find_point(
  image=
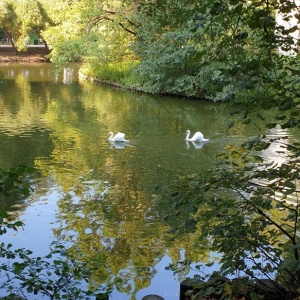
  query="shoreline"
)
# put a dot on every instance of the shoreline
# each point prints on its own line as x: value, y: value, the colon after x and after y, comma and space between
x: 34, y: 53
x: 38, y: 54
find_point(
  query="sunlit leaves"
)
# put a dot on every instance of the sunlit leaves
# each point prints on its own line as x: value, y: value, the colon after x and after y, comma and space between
x: 253, y: 210
x: 243, y: 49
x: 224, y: 50
x: 22, y: 18
x: 52, y: 276
x: 7, y: 19
x: 93, y: 31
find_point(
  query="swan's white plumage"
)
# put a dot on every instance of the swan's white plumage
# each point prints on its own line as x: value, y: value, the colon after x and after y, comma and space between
x: 119, y: 137
x: 197, y: 137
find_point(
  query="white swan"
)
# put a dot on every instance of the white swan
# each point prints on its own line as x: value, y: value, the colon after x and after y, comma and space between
x: 197, y: 137
x: 119, y: 137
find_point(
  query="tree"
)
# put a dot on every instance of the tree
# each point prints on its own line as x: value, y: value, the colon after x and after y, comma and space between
x: 249, y: 200
x: 225, y: 51
x: 248, y: 209
x: 7, y: 20
x: 19, y: 19
x: 91, y: 31
x: 218, y: 50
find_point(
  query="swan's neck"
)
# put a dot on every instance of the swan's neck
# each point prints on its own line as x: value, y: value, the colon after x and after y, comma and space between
x: 111, y: 135
x: 187, y: 135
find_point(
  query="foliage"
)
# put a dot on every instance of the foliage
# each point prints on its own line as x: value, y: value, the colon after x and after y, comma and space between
x: 20, y: 19
x: 221, y: 50
x: 112, y: 72
x: 222, y: 288
x: 8, y: 16
x: 231, y: 50
x: 92, y: 31
x: 15, y: 181
x: 247, y: 207
x: 248, y: 210
x: 90, y: 200
x: 54, y: 275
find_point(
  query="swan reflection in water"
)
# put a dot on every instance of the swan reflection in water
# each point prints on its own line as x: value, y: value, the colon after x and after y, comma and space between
x: 197, y: 145
x: 118, y: 144
x: 117, y: 141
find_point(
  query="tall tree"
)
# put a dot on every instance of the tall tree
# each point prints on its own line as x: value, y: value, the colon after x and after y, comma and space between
x: 90, y: 31
x: 31, y: 18
x: 220, y: 50
x: 7, y: 20
x: 22, y: 18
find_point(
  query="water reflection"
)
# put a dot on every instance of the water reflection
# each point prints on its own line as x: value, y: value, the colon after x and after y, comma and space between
x: 68, y: 75
x: 109, y: 202
x: 118, y: 145
x: 196, y: 145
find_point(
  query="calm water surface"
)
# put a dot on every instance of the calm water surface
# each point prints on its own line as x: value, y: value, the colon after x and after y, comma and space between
x: 104, y: 197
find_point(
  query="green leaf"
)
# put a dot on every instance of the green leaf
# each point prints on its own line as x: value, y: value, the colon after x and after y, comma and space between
x: 253, y: 296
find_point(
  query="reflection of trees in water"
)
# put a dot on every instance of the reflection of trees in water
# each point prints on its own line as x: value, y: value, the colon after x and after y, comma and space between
x: 115, y: 202
x: 124, y: 226
x: 20, y: 111
x: 104, y: 226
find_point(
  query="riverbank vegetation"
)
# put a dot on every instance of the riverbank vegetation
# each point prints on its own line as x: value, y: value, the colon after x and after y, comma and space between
x: 210, y: 49
x: 242, y: 52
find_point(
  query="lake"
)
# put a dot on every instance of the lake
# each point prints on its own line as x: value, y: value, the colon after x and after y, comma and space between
x: 108, y: 197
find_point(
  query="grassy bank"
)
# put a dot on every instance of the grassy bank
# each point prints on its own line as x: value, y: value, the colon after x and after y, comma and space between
x: 119, y: 74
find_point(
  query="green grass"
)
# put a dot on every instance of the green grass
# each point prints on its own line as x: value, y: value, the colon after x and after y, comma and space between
x: 118, y: 72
